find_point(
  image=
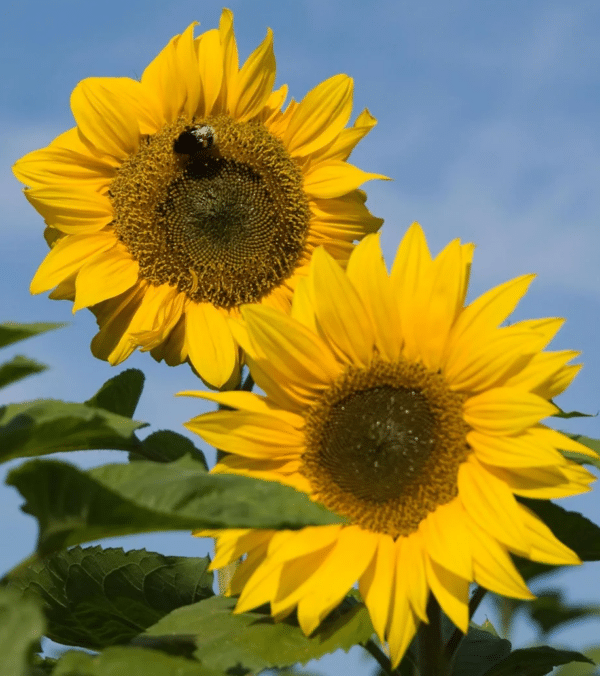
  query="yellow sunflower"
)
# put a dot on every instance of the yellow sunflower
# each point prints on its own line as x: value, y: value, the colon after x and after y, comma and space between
x: 181, y: 196
x: 416, y: 418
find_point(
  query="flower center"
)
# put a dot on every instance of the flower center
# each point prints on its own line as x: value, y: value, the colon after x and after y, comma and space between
x: 384, y: 445
x: 215, y: 208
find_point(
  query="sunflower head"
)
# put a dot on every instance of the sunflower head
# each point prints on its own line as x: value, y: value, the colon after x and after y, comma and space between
x: 412, y: 414
x: 182, y: 196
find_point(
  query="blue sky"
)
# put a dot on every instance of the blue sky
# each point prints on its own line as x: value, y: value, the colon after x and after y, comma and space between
x: 488, y: 124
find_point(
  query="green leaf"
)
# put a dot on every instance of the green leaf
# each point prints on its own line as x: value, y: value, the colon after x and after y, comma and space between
x: 550, y: 612
x: 571, y: 414
x: 11, y: 332
x: 21, y: 627
x: 17, y: 368
x: 73, y: 506
x: 166, y: 446
x: 536, y: 661
x: 130, y: 661
x: 580, y: 458
x: 574, y: 669
x: 252, y: 640
x: 46, y: 426
x: 478, y: 650
x: 97, y: 597
x: 571, y: 528
x: 120, y: 394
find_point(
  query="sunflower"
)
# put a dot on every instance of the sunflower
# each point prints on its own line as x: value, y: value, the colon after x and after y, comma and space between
x: 182, y: 196
x: 412, y: 415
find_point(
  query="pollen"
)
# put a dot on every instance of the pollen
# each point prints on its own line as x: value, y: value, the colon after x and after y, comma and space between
x: 221, y: 216
x: 383, y: 445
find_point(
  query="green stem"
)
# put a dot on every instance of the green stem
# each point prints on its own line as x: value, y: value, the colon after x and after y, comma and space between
x: 382, y: 659
x: 432, y: 661
x: 457, y: 635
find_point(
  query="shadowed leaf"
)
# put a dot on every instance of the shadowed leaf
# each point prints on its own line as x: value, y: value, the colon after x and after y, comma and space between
x: 120, y: 394
x: 11, y: 332
x: 536, y: 661
x: 17, y: 368
x: 97, y: 597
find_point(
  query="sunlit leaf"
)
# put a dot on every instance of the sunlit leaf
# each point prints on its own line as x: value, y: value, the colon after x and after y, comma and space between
x: 166, y: 446
x: 47, y: 426
x: 74, y: 506
x: 21, y: 628
x: 129, y: 661
x: 253, y: 641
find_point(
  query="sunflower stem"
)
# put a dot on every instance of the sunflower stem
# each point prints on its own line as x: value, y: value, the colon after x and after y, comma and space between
x: 382, y: 659
x: 432, y: 660
x: 457, y: 634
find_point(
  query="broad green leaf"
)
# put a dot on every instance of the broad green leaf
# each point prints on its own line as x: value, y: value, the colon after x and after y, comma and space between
x: 47, y: 426
x: 252, y: 640
x: 479, y: 650
x: 537, y: 661
x: 129, y: 661
x: 575, y: 669
x: 97, y: 597
x: 21, y: 627
x: 549, y: 610
x: 11, y: 332
x: 120, y: 394
x: 17, y: 368
x: 166, y: 446
x: 571, y: 528
x: 74, y: 506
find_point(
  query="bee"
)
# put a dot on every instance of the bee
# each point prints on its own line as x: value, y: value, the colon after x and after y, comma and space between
x: 194, y: 140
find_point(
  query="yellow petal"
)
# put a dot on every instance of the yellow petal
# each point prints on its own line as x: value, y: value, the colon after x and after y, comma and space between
x: 377, y: 583
x: 447, y: 539
x: 545, y: 547
x: 230, y: 59
x: 440, y: 298
x: 340, y: 312
x: 487, y: 312
x: 67, y: 257
x: 366, y: 270
x: 512, y: 451
x: 411, y: 267
x: 254, y: 82
x: 486, y: 363
x: 210, y: 345
x: 335, y: 178
x: 292, y: 350
x: 344, y: 565
x: 320, y: 116
x: 210, y: 58
x: 105, y: 275
x: 104, y: 120
x: 562, y: 441
x: 254, y: 435
x: 451, y: 591
x: 71, y: 211
x: 341, y: 147
x: 51, y: 165
x: 491, y: 504
x: 505, y: 410
x: 169, y: 309
x: 493, y: 567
